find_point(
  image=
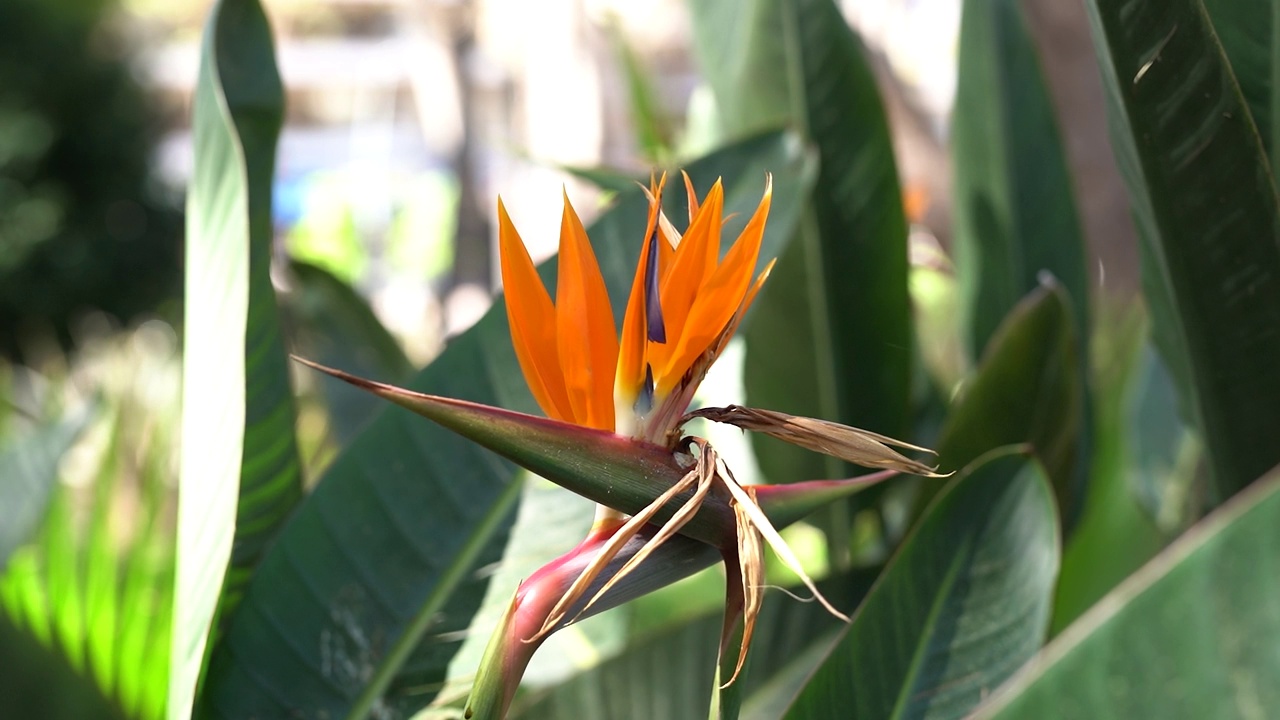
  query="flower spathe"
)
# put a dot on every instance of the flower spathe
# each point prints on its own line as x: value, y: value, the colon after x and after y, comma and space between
x: 684, y: 304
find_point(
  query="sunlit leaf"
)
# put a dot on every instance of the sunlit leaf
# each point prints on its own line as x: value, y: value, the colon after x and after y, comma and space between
x: 240, y: 473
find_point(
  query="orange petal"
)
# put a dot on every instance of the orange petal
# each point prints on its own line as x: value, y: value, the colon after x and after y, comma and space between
x: 585, y: 334
x: 695, y: 260
x: 532, y: 319
x: 718, y: 300
x: 727, y: 334
x: 632, y: 358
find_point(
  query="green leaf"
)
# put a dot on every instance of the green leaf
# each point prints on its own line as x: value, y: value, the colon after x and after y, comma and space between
x: 743, y: 52
x: 1026, y: 390
x: 793, y: 638
x: 63, y: 581
x: 649, y: 121
x: 681, y: 662
x: 1247, y: 30
x: 1166, y: 475
x: 332, y: 324
x: 102, y: 609
x: 961, y: 606
x: 360, y: 603
x: 64, y: 590
x: 934, y: 296
x: 1015, y: 214
x: 1206, y: 210
x: 606, y: 178
x: 1191, y: 635
x: 28, y: 476
x: 667, y: 676
x: 240, y: 474
x: 1115, y: 536
x: 831, y: 334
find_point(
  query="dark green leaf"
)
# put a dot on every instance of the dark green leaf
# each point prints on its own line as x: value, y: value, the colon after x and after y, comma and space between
x: 240, y: 473
x: 605, y: 178
x: 831, y: 335
x: 34, y: 670
x: 375, y: 577
x: 792, y: 639
x: 668, y: 676
x: 1015, y: 216
x: 961, y: 606
x: 1247, y: 31
x: 1206, y: 209
x: 743, y: 51
x: 1026, y: 390
x: 1191, y: 635
x: 333, y: 325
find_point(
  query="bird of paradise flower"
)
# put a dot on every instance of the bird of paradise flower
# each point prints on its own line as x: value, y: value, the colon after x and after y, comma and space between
x: 622, y: 402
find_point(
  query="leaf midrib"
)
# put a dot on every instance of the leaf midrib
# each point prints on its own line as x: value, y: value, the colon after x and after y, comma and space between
x: 451, y: 577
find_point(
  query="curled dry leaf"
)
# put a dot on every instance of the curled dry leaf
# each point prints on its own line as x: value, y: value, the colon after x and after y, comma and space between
x: 629, y: 529
x: 860, y: 447
x: 751, y: 568
x: 753, y: 530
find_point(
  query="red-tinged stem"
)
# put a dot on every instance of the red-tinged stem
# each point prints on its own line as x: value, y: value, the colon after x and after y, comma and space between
x: 512, y: 645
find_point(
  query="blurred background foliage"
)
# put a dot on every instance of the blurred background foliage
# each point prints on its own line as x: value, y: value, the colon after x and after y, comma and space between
x: 964, y: 273
x: 84, y: 224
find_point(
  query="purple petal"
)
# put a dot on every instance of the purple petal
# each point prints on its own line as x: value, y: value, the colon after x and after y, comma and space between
x: 652, y: 304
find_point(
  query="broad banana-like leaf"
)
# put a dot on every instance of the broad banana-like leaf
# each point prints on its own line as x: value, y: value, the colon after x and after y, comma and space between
x: 1209, y: 223
x: 240, y: 473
